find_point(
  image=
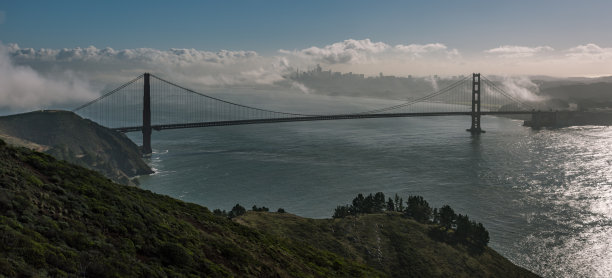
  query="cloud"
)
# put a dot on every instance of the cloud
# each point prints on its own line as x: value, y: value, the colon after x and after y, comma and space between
x: 590, y: 51
x: 522, y: 88
x: 21, y: 87
x: 365, y: 51
x: 195, y: 67
x: 514, y: 51
x: 345, y: 52
x: 176, y: 56
x: 419, y: 50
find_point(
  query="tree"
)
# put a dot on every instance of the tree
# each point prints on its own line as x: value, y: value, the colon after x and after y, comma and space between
x: 237, y: 210
x: 368, y: 204
x: 390, y: 205
x: 358, y: 203
x: 255, y: 208
x: 280, y: 210
x: 481, y: 235
x: 464, y: 228
x: 342, y: 211
x: 418, y: 209
x: 436, y: 216
x: 397, y: 200
x: 218, y: 212
x: 379, y: 202
x: 446, y: 216
x: 471, y: 233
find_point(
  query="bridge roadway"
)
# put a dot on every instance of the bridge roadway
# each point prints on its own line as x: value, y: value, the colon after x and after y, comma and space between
x: 316, y: 118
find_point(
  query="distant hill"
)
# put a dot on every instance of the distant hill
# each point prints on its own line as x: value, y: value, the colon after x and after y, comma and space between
x: 593, y: 91
x: 59, y: 220
x: 588, y: 96
x: 67, y: 136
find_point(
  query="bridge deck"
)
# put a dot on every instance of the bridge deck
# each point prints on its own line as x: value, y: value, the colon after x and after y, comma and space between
x: 315, y: 118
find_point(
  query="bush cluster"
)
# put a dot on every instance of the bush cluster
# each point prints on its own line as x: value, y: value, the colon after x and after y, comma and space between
x: 446, y: 225
x: 238, y: 210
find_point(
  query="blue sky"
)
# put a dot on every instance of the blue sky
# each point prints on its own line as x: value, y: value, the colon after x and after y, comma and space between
x: 267, y: 26
x: 53, y: 51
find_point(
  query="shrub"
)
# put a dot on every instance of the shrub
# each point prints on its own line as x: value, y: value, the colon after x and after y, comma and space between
x: 255, y: 208
x: 174, y: 254
x: 342, y: 211
x: 237, y: 210
x: 219, y: 212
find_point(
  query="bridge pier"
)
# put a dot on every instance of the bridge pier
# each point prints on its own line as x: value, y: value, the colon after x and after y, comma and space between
x: 475, y: 127
x: 146, y: 117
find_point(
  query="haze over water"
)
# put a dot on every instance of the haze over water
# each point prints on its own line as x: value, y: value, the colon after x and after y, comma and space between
x: 545, y: 196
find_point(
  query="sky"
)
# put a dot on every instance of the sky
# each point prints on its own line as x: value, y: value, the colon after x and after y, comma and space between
x: 77, y: 46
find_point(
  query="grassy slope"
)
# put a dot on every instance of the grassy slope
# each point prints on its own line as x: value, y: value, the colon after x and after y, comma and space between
x: 397, y: 246
x: 58, y: 219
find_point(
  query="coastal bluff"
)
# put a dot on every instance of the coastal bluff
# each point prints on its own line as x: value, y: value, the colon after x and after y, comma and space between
x: 67, y: 136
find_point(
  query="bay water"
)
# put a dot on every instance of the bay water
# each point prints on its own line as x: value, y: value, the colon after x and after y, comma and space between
x: 545, y: 196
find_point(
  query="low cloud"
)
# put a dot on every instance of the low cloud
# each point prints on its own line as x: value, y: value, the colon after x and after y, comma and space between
x: 366, y: 52
x: 22, y: 88
x: 421, y: 50
x: 176, y: 56
x: 345, y: 52
x: 514, y: 51
x: 590, y: 51
x: 191, y: 66
x: 522, y: 88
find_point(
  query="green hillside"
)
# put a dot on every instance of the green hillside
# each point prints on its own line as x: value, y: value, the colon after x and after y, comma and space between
x: 59, y: 220
x: 62, y: 220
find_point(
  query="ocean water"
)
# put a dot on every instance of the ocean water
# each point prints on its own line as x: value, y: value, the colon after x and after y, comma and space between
x: 545, y: 196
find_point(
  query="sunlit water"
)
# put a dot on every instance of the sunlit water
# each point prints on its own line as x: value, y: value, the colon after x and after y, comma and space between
x: 545, y: 196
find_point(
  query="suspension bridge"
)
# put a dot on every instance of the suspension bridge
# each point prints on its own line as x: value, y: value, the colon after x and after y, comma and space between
x: 149, y: 103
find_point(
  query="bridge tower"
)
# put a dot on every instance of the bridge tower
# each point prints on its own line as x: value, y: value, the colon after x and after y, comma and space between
x: 146, y: 117
x: 475, y: 128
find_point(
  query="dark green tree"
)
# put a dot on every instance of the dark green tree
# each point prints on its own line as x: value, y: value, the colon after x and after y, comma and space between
x: 464, y: 228
x: 237, y: 210
x: 390, y: 205
x: 255, y: 208
x: 418, y: 209
x: 368, y: 204
x: 481, y: 235
x: 358, y: 203
x: 379, y: 202
x: 219, y: 212
x: 342, y: 211
x: 436, y: 216
x: 397, y: 200
x: 446, y: 216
